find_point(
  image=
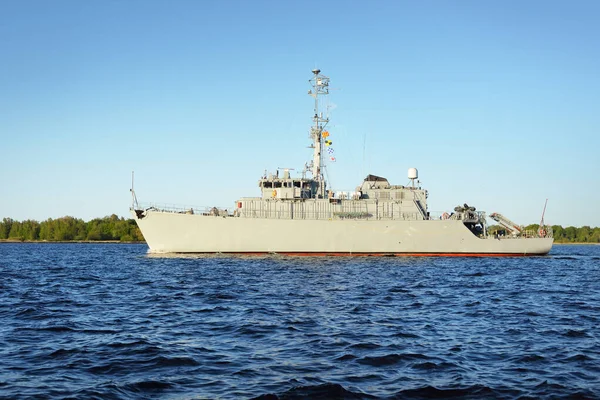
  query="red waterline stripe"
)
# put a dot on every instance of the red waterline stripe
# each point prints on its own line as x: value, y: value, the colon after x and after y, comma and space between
x: 323, y: 254
x: 408, y: 254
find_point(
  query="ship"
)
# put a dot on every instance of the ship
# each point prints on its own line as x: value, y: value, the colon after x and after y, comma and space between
x: 302, y: 216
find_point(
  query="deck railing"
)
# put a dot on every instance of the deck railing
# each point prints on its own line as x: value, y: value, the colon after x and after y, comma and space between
x: 185, y: 209
x: 248, y: 211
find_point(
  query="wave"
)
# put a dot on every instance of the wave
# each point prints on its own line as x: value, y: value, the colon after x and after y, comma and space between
x: 579, y: 357
x: 148, y: 386
x: 336, y: 391
x: 316, y: 392
x: 574, y: 333
x: 469, y: 392
x: 60, y: 353
x: 475, y: 274
x: 390, y: 359
x: 162, y: 361
x: 366, y: 346
x: 405, y: 335
x: 64, y: 328
x: 346, y: 357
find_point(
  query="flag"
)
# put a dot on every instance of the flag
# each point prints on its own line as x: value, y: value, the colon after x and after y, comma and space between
x: 325, y: 134
x: 332, y: 159
x: 330, y: 150
x: 328, y: 142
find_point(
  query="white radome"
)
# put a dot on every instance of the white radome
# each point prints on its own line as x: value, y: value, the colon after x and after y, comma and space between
x: 413, y: 173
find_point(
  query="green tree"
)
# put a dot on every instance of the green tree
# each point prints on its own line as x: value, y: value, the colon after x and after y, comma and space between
x: 583, y: 234
x: 559, y: 232
x: 595, y: 236
x: 16, y: 231
x: 570, y: 234
x: 47, y: 229
x: 30, y: 230
x: 5, y: 227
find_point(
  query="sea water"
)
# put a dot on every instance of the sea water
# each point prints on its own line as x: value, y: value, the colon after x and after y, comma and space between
x: 109, y: 321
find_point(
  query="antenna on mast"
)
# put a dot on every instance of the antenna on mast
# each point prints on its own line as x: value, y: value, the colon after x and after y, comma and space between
x: 320, y: 87
x: 364, y: 158
x: 543, y: 212
x: 134, y: 202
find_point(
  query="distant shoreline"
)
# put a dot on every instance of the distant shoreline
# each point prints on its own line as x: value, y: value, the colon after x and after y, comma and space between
x: 71, y: 241
x: 583, y: 243
x: 143, y: 242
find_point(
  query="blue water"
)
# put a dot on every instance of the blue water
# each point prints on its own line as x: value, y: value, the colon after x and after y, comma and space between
x: 107, y: 321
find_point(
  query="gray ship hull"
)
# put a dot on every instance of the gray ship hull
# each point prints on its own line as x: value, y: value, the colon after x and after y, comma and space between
x: 168, y: 232
x: 301, y: 216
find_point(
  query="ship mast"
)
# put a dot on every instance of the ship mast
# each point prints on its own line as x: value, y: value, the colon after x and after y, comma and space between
x: 320, y: 87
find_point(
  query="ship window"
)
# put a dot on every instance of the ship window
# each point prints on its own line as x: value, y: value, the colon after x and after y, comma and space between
x: 268, y: 184
x: 277, y: 184
x: 296, y: 184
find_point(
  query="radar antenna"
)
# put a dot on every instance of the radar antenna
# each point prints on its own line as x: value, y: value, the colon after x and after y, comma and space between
x: 320, y: 87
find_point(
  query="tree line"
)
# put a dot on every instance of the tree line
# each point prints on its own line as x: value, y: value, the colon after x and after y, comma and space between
x: 570, y: 234
x: 70, y: 228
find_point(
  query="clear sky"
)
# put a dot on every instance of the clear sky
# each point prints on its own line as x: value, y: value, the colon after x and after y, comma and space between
x: 496, y: 103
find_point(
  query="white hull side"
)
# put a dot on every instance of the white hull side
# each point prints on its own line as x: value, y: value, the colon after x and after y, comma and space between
x: 167, y: 232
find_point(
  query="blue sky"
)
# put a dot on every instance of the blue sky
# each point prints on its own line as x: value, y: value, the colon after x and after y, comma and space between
x: 496, y: 103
